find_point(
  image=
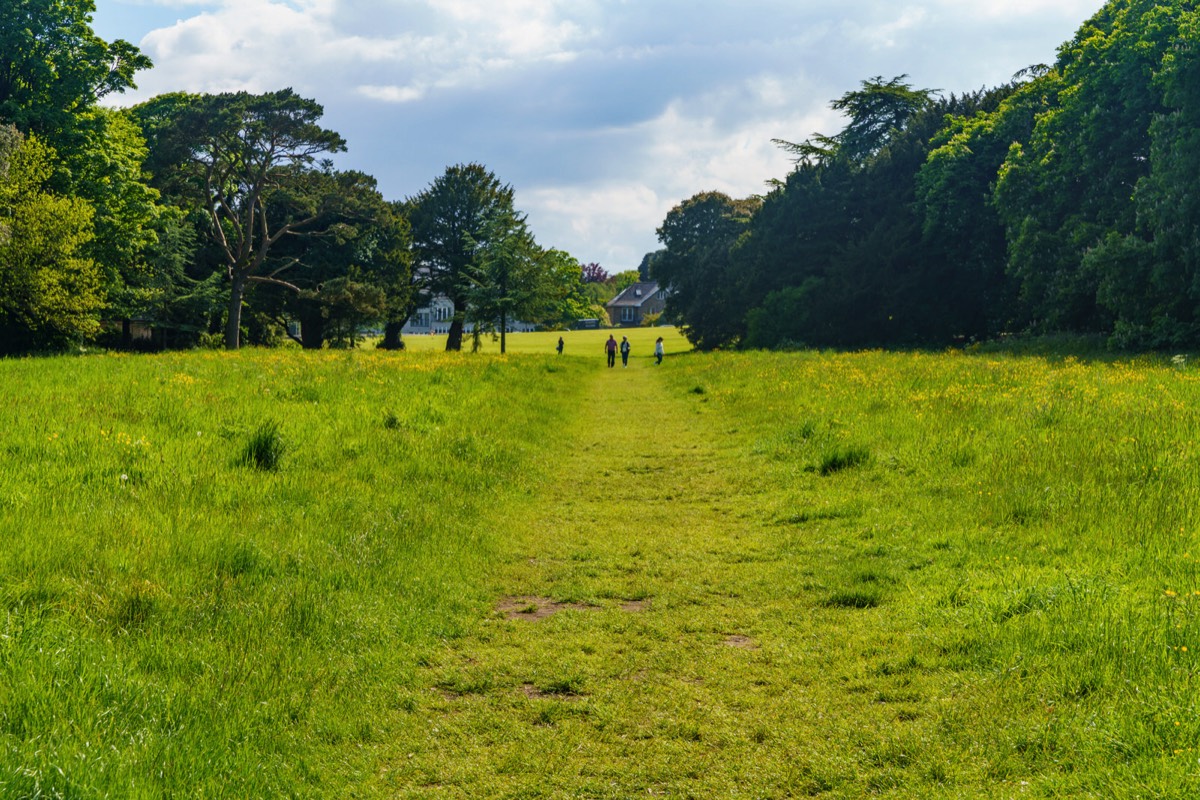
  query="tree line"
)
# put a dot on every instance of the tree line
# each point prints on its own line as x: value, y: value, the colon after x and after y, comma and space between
x: 219, y: 218
x: 1061, y: 202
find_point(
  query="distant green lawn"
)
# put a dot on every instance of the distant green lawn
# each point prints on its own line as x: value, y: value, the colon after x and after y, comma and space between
x: 369, y: 574
x: 575, y: 343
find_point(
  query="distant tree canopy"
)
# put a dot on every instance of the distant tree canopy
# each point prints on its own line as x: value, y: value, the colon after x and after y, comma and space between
x: 218, y: 218
x: 698, y: 265
x: 471, y: 245
x: 594, y: 273
x: 623, y: 280
x: 1062, y: 201
x: 250, y: 161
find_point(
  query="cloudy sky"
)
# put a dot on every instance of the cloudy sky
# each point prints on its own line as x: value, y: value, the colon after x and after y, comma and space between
x: 602, y: 114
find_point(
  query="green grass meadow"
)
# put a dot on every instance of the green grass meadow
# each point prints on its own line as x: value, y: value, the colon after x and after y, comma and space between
x: 418, y: 574
x: 588, y: 343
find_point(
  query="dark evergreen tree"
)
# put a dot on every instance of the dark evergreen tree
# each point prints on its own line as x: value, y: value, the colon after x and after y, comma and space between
x: 464, y: 215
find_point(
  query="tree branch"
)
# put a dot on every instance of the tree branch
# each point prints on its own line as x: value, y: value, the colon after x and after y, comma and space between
x: 274, y: 282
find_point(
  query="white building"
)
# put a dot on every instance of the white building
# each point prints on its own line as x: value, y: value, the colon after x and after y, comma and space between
x: 436, y: 318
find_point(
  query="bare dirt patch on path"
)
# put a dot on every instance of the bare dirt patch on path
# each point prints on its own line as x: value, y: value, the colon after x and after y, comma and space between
x: 535, y: 608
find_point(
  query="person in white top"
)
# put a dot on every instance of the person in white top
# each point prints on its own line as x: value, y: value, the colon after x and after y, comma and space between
x: 658, y: 350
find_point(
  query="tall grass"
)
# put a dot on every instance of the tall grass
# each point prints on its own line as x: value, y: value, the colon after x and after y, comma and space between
x: 192, y: 610
x: 1034, y: 526
x: 902, y: 575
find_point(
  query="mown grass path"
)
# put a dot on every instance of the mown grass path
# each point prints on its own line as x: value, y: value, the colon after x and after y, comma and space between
x: 655, y: 632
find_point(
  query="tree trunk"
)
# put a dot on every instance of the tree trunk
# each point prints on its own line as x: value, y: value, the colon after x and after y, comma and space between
x: 454, y: 338
x: 312, y: 330
x: 391, y: 336
x: 503, y: 330
x: 233, y: 324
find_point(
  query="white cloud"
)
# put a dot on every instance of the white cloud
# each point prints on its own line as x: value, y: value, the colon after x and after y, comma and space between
x: 1077, y: 10
x: 251, y: 48
x: 891, y: 32
x: 392, y: 94
x: 171, y: 3
x: 259, y: 44
x: 518, y: 28
x: 605, y: 222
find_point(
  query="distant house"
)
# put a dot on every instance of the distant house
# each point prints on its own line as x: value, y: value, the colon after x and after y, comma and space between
x: 437, y: 316
x: 630, y: 307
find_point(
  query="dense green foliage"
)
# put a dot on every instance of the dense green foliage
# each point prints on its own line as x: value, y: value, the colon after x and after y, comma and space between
x: 198, y: 218
x: 1061, y: 202
x: 51, y: 289
x: 53, y: 72
x: 53, y: 67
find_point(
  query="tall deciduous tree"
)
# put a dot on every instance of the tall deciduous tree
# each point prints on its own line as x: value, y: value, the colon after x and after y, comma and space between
x: 1065, y: 189
x: 526, y: 283
x: 361, y: 255
x: 105, y: 165
x: 53, y: 72
x: 566, y: 299
x: 53, y: 67
x: 391, y: 266
x: 51, y: 291
x: 244, y: 156
x: 697, y: 267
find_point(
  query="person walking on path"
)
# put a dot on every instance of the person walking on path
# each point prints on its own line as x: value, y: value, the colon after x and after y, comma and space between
x: 560, y: 346
x: 624, y: 352
x: 658, y: 351
x: 610, y: 347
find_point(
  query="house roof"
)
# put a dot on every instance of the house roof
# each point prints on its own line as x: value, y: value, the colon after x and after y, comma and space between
x: 634, y: 295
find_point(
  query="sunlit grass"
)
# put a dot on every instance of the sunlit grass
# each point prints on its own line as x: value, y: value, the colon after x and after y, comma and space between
x: 589, y: 343
x: 1029, y: 528
x: 219, y: 571
x: 774, y: 575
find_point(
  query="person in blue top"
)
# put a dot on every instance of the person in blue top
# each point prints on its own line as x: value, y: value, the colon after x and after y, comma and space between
x: 624, y: 352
